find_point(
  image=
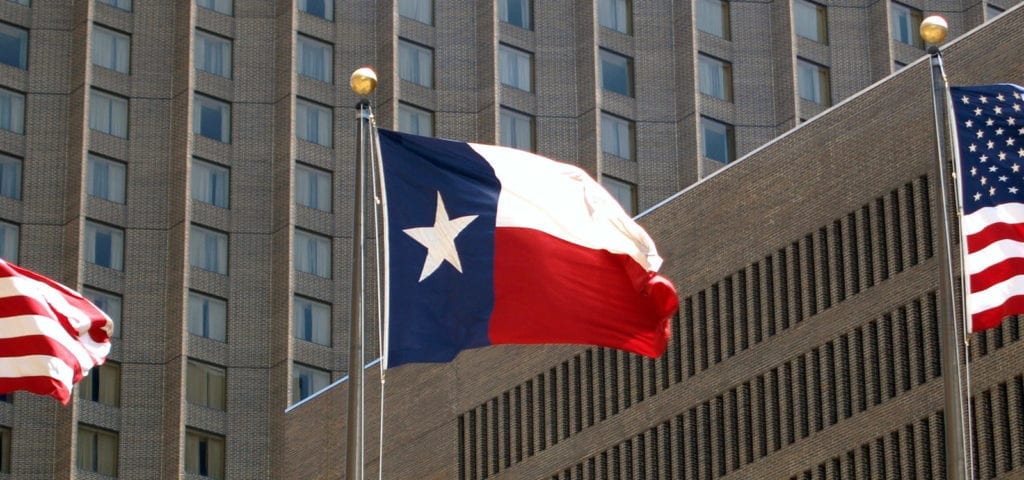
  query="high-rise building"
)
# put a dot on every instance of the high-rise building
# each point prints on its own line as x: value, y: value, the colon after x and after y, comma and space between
x: 188, y: 165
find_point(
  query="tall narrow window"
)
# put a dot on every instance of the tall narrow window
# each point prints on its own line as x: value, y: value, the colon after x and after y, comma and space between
x: 108, y: 113
x: 906, y: 22
x: 105, y: 178
x: 516, y: 130
x: 313, y: 122
x: 110, y: 49
x: 97, y: 451
x: 13, y: 46
x: 204, y: 454
x: 714, y: 77
x: 110, y: 303
x: 810, y: 20
x: 211, y: 118
x: 307, y: 380
x: 104, y: 245
x: 313, y: 59
x: 616, y: 15
x: 516, y: 12
x: 617, y: 137
x: 311, y: 321
x: 125, y: 5
x: 205, y: 385
x: 5, y: 450
x: 10, y: 177
x: 718, y: 140
x: 318, y: 8
x: 12, y: 111
x: 210, y: 183
x: 207, y: 316
x: 713, y: 17
x: 515, y: 67
x: 102, y: 385
x: 616, y: 73
x: 208, y: 249
x: 9, y: 239
x: 312, y: 187
x: 213, y: 54
x: 624, y: 192
x: 312, y: 254
x: 420, y: 10
x: 219, y: 6
x: 813, y: 82
x: 415, y: 63
x: 415, y: 120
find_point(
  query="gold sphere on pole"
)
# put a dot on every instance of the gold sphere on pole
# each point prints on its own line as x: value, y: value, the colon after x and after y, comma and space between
x: 363, y: 81
x: 934, y: 29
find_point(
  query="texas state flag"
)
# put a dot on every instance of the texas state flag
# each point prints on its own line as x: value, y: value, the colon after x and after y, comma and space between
x: 490, y: 245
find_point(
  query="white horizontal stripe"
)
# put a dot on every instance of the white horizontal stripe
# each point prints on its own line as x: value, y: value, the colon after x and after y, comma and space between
x: 565, y: 202
x: 79, y: 320
x: 992, y: 254
x: 995, y: 295
x: 1006, y: 213
x: 25, y: 325
x: 37, y: 366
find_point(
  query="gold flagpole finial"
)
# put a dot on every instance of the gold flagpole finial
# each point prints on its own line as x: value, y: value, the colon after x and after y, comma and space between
x: 363, y: 81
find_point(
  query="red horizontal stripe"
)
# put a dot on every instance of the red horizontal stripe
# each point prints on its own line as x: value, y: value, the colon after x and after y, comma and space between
x: 992, y: 317
x: 41, y: 345
x: 38, y: 385
x: 993, y: 233
x: 997, y: 273
x: 98, y: 320
x: 21, y: 305
x: 548, y: 290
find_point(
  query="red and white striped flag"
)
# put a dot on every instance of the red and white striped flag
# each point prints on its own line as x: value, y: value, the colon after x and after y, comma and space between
x: 50, y: 336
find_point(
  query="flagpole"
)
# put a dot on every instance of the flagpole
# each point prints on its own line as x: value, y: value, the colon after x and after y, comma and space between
x: 933, y: 31
x: 363, y: 82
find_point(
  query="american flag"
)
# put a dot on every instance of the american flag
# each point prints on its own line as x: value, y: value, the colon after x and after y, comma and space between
x: 990, y: 133
x: 50, y: 336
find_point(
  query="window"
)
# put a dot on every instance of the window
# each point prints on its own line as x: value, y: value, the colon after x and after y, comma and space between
x: 10, y: 177
x: 213, y: 54
x: 415, y: 64
x: 420, y: 10
x: 622, y: 191
x: 516, y: 12
x: 9, y: 238
x: 205, y: 385
x: 110, y: 304
x: 617, y: 136
x: 313, y: 122
x: 992, y: 11
x: 211, y: 118
x: 104, y: 245
x: 103, y: 385
x: 415, y: 120
x: 110, y: 49
x: 125, y: 5
x: 209, y: 183
x: 313, y: 59
x: 713, y: 17
x: 516, y: 130
x: 105, y: 178
x: 204, y: 454
x: 714, y: 77
x: 312, y: 187
x: 616, y: 14
x: 906, y: 22
x: 5, y: 449
x: 810, y: 20
x: 516, y: 67
x: 12, y: 111
x: 616, y: 73
x: 21, y: 2
x: 307, y: 381
x: 208, y: 249
x: 813, y: 82
x: 108, y: 113
x: 311, y: 321
x: 318, y: 8
x: 718, y: 140
x: 13, y: 46
x: 219, y: 6
x: 97, y: 451
x: 312, y: 254
x: 207, y: 316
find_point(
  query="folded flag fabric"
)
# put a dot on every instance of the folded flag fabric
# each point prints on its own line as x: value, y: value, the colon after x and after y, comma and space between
x: 492, y: 245
x: 990, y: 137
x: 50, y: 336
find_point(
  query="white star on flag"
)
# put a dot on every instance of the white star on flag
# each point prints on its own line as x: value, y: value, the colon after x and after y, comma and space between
x: 440, y: 239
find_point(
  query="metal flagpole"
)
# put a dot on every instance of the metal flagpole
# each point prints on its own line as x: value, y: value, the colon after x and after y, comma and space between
x: 933, y: 31
x: 363, y: 83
